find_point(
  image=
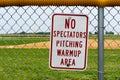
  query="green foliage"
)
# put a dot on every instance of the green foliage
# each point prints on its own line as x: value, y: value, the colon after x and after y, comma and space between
x: 42, y: 33
x: 110, y: 33
x: 90, y: 33
x: 96, y: 33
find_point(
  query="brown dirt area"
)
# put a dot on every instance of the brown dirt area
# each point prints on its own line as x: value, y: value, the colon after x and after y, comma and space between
x: 92, y: 44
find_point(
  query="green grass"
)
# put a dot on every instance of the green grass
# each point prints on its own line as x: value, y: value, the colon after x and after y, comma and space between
x: 22, y: 40
x: 107, y: 37
x: 32, y: 64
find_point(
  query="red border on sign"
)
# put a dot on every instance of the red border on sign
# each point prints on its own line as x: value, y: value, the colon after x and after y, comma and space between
x: 51, y: 45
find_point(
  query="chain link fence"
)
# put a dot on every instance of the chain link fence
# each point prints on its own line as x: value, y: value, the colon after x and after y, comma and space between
x: 25, y: 36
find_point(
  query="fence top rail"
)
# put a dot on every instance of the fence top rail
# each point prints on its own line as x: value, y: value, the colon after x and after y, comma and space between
x: 100, y: 3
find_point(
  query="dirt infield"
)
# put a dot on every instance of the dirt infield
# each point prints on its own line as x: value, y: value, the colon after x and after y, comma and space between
x: 92, y: 44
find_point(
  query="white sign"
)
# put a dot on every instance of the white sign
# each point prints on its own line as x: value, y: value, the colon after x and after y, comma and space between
x: 69, y: 38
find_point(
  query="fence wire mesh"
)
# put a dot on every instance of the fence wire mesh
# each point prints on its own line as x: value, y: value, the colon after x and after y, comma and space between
x: 25, y: 36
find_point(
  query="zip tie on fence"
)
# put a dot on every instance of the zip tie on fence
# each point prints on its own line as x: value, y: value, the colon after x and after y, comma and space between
x: 102, y: 27
x: 101, y: 72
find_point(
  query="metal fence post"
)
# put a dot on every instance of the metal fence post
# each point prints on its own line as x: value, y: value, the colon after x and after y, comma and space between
x: 100, y: 43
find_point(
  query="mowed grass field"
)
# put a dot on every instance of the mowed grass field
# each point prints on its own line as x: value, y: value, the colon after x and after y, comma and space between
x: 33, y: 64
x: 17, y: 40
x: 25, y: 39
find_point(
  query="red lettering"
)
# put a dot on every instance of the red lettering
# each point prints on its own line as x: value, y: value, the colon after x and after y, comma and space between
x: 67, y: 21
x: 62, y: 62
x: 79, y: 52
x: 67, y: 52
x: 80, y: 44
x: 67, y: 62
x: 71, y: 53
x: 63, y: 42
x: 70, y: 34
x: 65, y: 34
x: 70, y: 43
x: 84, y: 35
x: 57, y: 42
x: 63, y: 53
x: 75, y: 53
x: 76, y: 44
x: 73, y: 62
x: 67, y: 43
x: 73, y: 23
x: 58, y: 52
x: 81, y: 34
x: 70, y: 23
x: 61, y: 34
x: 77, y: 34
x: 54, y: 33
x: 60, y: 43
x: 58, y: 32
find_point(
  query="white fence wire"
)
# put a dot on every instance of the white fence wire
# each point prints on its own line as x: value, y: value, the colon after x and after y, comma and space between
x: 25, y: 36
